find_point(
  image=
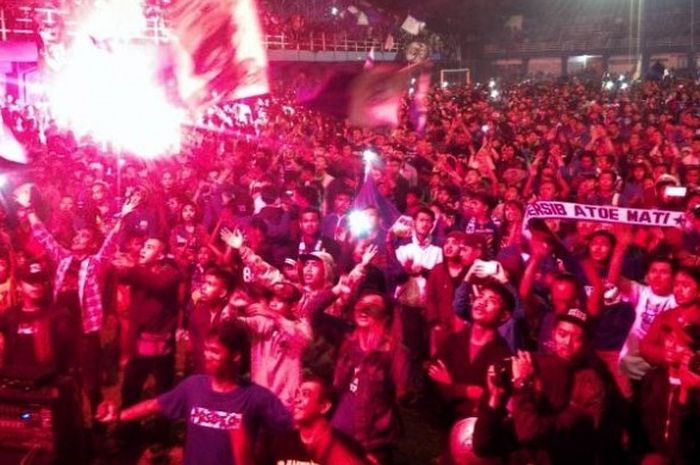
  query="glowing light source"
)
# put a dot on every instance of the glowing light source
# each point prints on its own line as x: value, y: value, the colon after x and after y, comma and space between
x: 492, y: 84
x: 609, y: 85
x: 10, y: 149
x: 624, y: 86
x: 494, y: 94
x: 359, y: 223
x: 444, y: 84
x: 369, y: 156
x: 107, y: 87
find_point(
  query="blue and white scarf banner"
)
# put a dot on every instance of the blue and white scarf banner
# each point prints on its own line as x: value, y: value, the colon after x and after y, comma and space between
x: 603, y: 214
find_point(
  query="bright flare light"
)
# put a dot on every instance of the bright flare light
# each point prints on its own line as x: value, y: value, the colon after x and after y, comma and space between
x: 369, y: 156
x: 359, y: 223
x: 107, y: 87
x: 10, y: 149
x: 609, y: 85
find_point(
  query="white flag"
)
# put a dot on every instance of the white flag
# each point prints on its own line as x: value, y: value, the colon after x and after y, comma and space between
x: 412, y: 25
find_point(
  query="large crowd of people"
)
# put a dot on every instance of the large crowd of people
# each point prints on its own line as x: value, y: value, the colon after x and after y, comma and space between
x: 325, y: 278
x: 601, y: 25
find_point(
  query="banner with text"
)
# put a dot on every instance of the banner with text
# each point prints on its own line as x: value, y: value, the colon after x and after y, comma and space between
x: 603, y: 213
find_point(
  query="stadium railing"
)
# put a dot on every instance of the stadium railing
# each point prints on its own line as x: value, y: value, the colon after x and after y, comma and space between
x: 18, y: 24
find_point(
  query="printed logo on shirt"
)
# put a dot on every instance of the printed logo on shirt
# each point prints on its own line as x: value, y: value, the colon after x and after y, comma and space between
x: 651, y: 310
x: 247, y: 274
x: 215, y: 419
x: 27, y: 328
x: 296, y: 462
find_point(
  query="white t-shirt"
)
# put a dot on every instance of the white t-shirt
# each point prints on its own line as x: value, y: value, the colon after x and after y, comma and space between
x: 647, y: 307
x: 412, y: 292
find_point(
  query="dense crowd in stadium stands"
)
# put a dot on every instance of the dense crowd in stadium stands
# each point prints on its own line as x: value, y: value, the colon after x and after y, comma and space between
x: 558, y: 22
x: 269, y: 247
x: 307, y: 25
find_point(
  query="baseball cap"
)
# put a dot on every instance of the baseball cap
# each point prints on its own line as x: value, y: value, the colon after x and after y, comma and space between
x: 322, y: 257
x: 574, y: 316
x: 316, y: 255
x: 667, y: 179
x: 34, y: 273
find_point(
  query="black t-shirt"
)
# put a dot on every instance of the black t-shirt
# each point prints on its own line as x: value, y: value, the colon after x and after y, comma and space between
x: 68, y: 297
x: 289, y: 450
x: 33, y: 339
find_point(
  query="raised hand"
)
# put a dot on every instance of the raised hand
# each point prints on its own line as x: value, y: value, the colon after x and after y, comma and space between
x: 343, y: 286
x: 123, y: 261
x: 523, y: 369
x: 130, y: 205
x: 369, y: 254
x: 23, y: 195
x: 540, y: 249
x: 107, y: 412
x: 260, y: 309
x: 439, y: 373
x: 233, y: 239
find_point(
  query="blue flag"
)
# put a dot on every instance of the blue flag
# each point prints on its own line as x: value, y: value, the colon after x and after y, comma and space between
x: 369, y: 196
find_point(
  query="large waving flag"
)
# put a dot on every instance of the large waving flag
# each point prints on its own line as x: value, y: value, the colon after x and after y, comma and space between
x: 369, y: 98
x: 219, y: 51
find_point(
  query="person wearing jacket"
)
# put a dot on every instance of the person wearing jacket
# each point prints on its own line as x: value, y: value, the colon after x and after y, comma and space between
x: 565, y: 407
x: 462, y: 361
x: 78, y: 285
x: 278, y: 340
x: 371, y: 375
x: 153, y: 311
x: 442, y: 282
x: 670, y: 399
